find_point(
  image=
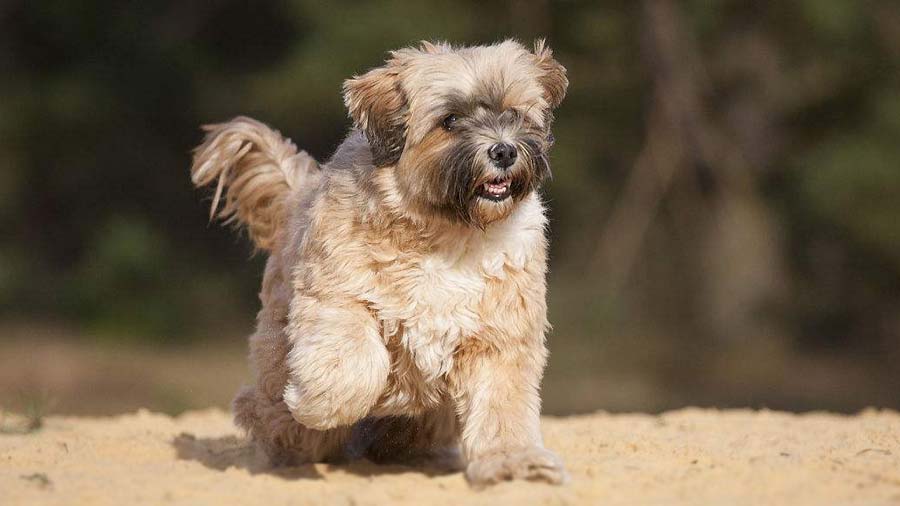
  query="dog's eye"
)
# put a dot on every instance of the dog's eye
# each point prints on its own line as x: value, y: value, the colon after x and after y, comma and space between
x: 449, y: 121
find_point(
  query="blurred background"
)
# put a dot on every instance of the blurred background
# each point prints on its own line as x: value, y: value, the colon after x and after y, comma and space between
x: 725, y: 208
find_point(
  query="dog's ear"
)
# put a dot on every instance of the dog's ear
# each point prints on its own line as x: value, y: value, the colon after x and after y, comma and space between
x: 552, y: 74
x: 378, y: 107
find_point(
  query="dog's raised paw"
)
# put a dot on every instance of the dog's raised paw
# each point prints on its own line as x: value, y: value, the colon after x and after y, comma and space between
x: 314, y: 412
x: 532, y: 463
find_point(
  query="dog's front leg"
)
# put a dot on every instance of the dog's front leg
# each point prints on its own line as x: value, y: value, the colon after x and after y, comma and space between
x: 338, y: 364
x: 497, y: 391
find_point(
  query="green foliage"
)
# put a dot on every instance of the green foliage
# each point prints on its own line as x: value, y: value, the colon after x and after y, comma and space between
x: 853, y: 184
x: 125, y: 256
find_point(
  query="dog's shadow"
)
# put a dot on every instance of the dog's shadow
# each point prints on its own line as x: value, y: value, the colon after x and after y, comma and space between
x: 221, y: 453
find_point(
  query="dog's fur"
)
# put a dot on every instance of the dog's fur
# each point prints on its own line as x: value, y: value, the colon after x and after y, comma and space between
x: 403, y: 313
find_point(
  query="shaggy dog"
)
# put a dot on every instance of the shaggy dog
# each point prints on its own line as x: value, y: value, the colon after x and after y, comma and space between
x: 403, y: 303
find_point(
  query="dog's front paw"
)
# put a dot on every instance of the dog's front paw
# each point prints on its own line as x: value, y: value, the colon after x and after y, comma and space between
x: 533, y: 463
x: 320, y: 412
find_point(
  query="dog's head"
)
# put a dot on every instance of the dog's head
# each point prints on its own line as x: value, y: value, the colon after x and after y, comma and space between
x: 466, y: 130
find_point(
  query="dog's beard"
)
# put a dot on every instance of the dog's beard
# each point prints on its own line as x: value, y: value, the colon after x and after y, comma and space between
x: 477, y: 192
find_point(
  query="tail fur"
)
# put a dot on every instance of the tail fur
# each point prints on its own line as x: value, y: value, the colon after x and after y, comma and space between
x: 256, y: 170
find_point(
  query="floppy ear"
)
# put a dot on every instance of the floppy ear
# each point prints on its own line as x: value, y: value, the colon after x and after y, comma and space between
x: 552, y: 74
x: 378, y: 107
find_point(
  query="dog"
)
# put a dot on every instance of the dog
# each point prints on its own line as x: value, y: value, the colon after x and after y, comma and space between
x: 404, y: 297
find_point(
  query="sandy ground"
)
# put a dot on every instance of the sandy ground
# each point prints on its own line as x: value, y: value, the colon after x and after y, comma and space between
x: 689, y: 456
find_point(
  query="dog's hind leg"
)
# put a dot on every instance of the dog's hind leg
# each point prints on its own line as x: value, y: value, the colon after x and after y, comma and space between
x: 260, y: 409
x: 338, y: 363
x: 284, y: 441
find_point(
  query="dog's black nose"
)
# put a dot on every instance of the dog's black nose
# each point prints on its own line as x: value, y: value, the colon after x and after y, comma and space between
x: 502, y: 154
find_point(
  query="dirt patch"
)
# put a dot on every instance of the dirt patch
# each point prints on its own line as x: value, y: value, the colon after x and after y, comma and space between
x: 689, y: 456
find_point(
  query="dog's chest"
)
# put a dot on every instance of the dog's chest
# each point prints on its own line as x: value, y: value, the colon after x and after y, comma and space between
x: 430, y: 304
x: 431, y: 308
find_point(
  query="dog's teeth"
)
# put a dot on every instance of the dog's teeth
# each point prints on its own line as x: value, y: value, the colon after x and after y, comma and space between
x: 496, y: 188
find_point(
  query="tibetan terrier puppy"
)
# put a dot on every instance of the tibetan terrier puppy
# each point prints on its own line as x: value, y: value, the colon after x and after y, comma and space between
x: 403, y: 302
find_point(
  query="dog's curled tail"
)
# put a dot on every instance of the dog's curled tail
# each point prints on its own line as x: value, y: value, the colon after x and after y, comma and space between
x: 256, y: 170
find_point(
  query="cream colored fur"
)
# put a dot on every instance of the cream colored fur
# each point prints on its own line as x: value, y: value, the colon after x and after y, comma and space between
x: 388, y: 330
x: 259, y: 168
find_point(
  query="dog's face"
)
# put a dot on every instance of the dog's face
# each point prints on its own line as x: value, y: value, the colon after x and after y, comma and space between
x: 466, y: 130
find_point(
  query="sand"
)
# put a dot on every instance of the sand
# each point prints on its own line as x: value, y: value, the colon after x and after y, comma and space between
x: 689, y: 456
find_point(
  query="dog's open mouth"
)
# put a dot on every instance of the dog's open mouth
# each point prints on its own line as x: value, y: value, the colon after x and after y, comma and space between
x: 496, y: 190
